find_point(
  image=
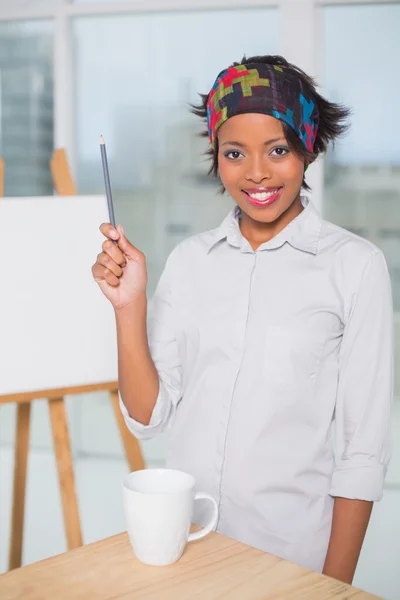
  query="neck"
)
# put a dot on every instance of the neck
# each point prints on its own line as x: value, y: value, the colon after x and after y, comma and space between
x: 257, y: 233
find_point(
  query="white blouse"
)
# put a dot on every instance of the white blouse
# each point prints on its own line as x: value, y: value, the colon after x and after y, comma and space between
x: 276, y: 377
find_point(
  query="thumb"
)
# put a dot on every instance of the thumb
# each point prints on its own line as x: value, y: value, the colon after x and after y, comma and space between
x: 127, y: 248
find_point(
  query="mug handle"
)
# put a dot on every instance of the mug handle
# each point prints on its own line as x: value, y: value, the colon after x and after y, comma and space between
x: 214, y: 518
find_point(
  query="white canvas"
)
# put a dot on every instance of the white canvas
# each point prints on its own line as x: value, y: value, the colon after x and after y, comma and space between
x: 56, y: 327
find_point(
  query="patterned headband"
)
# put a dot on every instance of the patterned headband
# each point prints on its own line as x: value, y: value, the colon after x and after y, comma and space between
x: 267, y: 89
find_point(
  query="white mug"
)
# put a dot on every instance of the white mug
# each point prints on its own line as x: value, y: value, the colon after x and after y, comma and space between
x: 158, y: 506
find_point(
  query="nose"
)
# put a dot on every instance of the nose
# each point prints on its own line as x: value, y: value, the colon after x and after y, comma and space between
x: 258, y: 170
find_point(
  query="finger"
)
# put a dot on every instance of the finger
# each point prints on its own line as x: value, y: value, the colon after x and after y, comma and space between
x: 109, y: 231
x: 105, y: 260
x: 127, y: 248
x: 102, y: 274
x: 114, y: 252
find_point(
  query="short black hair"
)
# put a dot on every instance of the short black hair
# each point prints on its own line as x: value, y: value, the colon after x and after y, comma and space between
x: 333, y: 117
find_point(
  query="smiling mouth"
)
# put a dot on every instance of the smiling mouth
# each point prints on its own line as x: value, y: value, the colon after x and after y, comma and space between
x: 262, y: 196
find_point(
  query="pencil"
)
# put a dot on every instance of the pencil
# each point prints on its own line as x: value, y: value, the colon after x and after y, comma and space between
x: 107, y: 181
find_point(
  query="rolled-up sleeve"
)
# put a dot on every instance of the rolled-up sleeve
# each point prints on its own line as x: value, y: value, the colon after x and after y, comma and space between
x: 163, y: 346
x: 365, y: 388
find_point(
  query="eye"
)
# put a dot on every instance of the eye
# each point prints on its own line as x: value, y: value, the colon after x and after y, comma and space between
x: 280, y: 151
x: 233, y: 154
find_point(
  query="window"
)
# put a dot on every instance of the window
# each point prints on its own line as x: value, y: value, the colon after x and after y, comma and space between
x: 362, y: 174
x: 134, y: 81
x: 26, y: 106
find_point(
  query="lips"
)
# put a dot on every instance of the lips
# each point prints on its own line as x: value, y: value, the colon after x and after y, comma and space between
x: 262, y: 196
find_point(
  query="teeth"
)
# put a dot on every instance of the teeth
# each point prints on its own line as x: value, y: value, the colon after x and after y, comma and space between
x: 262, y: 196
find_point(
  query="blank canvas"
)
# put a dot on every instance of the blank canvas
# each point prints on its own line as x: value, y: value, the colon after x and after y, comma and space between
x: 56, y: 327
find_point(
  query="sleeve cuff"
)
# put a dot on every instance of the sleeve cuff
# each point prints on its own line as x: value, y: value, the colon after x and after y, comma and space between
x: 359, y: 482
x: 157, y: 420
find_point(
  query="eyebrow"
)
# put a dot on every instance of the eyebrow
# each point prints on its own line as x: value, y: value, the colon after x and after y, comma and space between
x: 267, y: 143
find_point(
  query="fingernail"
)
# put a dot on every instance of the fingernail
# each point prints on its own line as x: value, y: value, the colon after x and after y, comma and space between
x: 113, y: 234
x: 122, y: 230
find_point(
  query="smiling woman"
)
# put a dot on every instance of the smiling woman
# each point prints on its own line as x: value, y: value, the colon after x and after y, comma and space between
x: 263, y: 177
x: 266, y: 330
x: 262, y: 173
x: 266, y: 123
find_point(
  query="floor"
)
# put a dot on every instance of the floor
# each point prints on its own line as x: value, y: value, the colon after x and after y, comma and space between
x: 98, y: 483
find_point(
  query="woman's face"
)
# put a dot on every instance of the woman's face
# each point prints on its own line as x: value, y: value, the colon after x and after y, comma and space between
x: 258, y: 170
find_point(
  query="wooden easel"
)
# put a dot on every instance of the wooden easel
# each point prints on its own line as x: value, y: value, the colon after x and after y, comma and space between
x: 63, y: 185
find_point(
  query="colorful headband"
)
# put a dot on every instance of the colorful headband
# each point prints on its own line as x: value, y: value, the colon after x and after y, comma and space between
x: 267, y: 89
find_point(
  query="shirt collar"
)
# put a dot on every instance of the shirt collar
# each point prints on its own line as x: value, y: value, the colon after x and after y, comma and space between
x: 302, y: 233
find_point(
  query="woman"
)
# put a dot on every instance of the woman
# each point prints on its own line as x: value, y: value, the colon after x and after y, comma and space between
x: 269, y: 343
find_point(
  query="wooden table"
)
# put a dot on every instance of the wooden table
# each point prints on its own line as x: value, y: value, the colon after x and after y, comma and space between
x: 215, y: 567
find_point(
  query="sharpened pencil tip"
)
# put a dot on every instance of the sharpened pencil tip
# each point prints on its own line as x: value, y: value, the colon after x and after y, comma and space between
x: 101, y: 140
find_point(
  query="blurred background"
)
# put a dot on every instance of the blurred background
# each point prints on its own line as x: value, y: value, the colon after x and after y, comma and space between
x: 70, y: 71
